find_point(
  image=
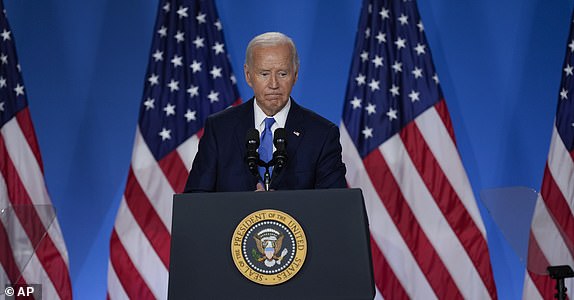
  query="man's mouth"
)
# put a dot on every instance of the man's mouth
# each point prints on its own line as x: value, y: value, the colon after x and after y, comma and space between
x: 272, y: 96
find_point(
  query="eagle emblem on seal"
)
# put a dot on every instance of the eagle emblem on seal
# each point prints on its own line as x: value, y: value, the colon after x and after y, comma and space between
x: 269, y: 243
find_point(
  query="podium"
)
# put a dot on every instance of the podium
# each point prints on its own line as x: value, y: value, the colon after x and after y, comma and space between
x: 325, y: 253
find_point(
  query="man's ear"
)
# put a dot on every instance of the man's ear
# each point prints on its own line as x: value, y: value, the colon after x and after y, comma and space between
x: 296, y: 75
x: 247, y: 74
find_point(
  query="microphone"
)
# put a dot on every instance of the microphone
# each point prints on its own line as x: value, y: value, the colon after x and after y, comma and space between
x: 280, y: 142
x: 251, y: 155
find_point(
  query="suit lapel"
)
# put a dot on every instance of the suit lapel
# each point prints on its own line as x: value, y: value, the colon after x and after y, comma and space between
x: 294, y: 129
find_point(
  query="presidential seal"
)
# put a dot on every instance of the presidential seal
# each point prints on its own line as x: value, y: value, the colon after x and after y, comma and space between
x: 268, y: 247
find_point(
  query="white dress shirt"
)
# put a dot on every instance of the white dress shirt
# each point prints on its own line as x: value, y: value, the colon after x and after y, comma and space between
x: 280, y: 118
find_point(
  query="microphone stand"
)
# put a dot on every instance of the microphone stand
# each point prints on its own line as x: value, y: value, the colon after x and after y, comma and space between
x: 267, y: 175
x: 559, y: 273
x: 267, y: 178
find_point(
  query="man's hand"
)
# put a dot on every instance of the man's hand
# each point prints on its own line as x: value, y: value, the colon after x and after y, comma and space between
x: 259, y: 187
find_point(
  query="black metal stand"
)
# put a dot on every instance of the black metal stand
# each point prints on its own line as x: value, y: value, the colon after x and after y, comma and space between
x: 559, y: 273
x: 267, y: 178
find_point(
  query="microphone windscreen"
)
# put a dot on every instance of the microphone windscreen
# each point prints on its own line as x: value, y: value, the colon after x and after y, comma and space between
x: 252, y: 139
x: 279, y: 138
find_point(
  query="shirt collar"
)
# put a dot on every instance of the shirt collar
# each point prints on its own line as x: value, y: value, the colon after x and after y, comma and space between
x: 280, y: 117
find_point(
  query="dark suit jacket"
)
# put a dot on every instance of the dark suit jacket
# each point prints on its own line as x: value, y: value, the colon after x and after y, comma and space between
x: 313, y: 150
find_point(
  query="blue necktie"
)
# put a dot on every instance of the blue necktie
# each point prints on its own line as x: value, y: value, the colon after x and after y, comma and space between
x: 266, y: 146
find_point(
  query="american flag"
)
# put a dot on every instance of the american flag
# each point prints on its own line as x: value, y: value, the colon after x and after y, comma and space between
x: 427, y: 236
x: 32, y: 248
x: 552, y: 228
x: 189, y: 77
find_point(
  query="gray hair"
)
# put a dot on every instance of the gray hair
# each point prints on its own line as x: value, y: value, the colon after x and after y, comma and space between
x: 271, y: 39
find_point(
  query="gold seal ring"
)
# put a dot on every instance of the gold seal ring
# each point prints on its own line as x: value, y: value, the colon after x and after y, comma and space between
x: 268, y: 247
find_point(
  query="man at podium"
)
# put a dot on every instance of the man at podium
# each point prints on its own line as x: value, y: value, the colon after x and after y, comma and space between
x: 270, y: 141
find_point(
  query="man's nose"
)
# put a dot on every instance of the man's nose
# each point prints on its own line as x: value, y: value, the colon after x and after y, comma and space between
x: 273, y: 82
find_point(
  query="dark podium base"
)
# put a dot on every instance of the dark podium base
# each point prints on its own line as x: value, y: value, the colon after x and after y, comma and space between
x: 338, y: 262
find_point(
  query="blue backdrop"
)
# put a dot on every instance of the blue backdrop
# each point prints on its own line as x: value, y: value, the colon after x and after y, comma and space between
x: 84, y: 65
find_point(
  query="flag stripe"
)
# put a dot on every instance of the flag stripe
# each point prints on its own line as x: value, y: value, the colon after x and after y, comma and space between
x: 35, y: 273
x: 157, y: 189
x: 541, y: 282
x: 18, y: 150
x: 437, y: 183
x: 432, y: 126
x: 558, y: 208
x: 548, y: 237
x: 33, y: 225
x: 25, y: 123
x: 3, y: 276
x: 442, y: 111
x: 560, y: 164
x: 7, y: 260
x: 18, y: 246
x: 187, y: 151
x: 147, y: 219
x: 558, y: 192
x: 131, y: 281
x: 114, y: 286
x: 530, y: 290
x: 445, y: 197
x: 149, y: 265
x: 546, y: 247
x: 7, y: 255
x: 174, y: 170
x: 395, y: 204
x: 30, y: 175
x: 383, y: 230
x: 46, y: 252
x: 385, y: 277
x: 412, y: 216
x: 24, y: 252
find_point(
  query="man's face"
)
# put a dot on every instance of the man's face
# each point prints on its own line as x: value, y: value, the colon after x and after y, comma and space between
x: 271, y: 74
